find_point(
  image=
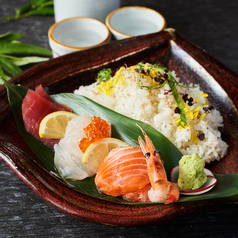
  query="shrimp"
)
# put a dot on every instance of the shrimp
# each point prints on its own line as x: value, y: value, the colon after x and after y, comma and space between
x: 161, y: 189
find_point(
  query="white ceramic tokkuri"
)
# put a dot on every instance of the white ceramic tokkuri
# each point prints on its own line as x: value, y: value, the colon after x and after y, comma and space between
x: 134, y: 21
x: 97, y: 9
x: 74, y: 34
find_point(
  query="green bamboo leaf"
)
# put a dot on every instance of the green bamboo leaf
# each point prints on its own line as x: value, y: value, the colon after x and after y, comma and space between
x: 3, y: 76
x: 8, y: 37
x: 35, y: 6
x: 20, y: 61
x: 29, y: 6
x: 28, y: 60
x: 39, y: 3
x: 10, y: 67
x: 26, y: 7
x: 23, y: 9
x: 9, y: 48
x: 123, y: 128
x: 43, y: 11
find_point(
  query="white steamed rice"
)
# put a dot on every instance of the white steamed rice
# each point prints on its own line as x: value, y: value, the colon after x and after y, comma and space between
x: 156, y: 107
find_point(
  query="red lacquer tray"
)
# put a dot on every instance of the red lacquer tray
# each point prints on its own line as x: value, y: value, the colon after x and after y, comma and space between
x: 64, y: 74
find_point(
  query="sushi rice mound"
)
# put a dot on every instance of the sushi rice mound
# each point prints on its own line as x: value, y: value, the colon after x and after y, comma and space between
x: 157, y: 107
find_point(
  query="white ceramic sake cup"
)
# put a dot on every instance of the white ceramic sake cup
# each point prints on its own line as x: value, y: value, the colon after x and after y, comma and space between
x: 134, y: 21
x: 97, y: 9
x: 75, y: 34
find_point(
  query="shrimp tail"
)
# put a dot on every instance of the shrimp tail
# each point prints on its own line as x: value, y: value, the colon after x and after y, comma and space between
x: 173, y: 194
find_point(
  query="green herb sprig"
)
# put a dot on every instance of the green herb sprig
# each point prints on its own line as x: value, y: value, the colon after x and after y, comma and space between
x: 34, y: 7
x: 10, y: 63
x: 104, y: 75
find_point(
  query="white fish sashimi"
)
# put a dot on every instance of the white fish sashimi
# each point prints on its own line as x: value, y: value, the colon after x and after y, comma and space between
x: 66, y: 166
x: 68, y: 156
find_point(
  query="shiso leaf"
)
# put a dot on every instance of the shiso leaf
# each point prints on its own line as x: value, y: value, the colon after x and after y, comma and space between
x: 123, y: 128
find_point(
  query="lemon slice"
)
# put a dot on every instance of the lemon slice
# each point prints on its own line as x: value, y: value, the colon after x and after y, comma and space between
x: 97, y: 151
x: 53, y: 125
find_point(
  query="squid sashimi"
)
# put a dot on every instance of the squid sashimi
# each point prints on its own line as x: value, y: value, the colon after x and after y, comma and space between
x: 35, y: 106
x: 136, y: 174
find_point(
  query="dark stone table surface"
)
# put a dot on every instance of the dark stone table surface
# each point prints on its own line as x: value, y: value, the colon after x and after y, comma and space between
x: 212, y: 25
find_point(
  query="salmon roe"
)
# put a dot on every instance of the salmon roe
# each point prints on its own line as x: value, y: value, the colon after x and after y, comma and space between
x: 97, y: 129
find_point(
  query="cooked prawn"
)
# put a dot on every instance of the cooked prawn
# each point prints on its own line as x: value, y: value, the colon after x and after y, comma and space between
x: 161, y: 188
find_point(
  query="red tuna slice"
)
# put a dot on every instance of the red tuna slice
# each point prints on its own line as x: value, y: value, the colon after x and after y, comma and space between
x: 39, y: 90
x: 35, y: 106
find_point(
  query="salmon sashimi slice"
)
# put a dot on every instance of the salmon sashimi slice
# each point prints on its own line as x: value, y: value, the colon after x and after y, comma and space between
x: 35, y: 106
x: 140, y: 195
x: 123, y: 171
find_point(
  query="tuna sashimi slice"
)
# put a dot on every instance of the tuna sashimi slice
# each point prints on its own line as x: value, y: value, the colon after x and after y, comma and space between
x: 39, y: 90
x: 35, y: 106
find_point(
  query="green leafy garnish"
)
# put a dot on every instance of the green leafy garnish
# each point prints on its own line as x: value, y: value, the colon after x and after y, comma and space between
x: 9, y: 63
x: 34, y: 7
x: 104, y: 75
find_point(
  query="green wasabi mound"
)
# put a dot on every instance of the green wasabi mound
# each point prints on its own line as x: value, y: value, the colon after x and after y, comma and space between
x: 191, y: 172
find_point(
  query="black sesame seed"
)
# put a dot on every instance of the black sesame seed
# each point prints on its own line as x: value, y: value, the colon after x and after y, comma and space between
x: 210, y: 108
x: 201, y: 136
x: 167, y: 92
x: 177, y: 110
x: 147, y: 72
x: 158, y: 79
x: 166, y: 76
x: 185, y: 97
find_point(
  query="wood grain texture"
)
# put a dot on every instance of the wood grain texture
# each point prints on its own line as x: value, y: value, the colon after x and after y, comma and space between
x: 211, y: 25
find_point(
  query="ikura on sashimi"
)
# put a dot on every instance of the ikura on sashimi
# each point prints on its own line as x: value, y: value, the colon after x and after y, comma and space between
x: 135, y: 173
